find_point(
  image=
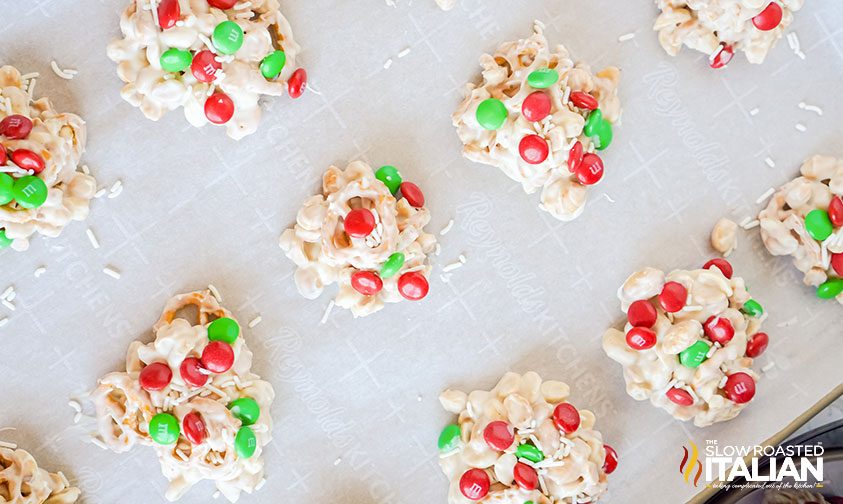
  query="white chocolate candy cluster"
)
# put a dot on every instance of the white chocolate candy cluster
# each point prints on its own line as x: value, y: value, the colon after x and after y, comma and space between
x: 713, y: 26
x: 325, y: 253
x: 505, y: 77
x: 695, y: 360
x: 784, y: 230
x: 125, y: 408
x: 59, y: 140
x: 508, y: 448
x: 23, y: 482
x: 156, y: 91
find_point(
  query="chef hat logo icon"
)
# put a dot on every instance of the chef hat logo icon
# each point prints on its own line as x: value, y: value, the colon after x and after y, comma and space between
x: 691, y: 463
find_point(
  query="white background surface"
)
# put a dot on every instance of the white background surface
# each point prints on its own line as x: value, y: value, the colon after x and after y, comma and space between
x: 536, y: 294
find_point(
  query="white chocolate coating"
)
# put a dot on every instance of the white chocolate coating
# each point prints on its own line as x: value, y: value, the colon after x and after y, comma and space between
x: 783, y: 221
x: 724, y: 237
x: 325, y: 254
x: 573, y: 464
x: 703, y: 25
x: 505, y: 77
x: 157, y: 92
x: 23, y: 482
x: 60, y: 140
x: 446, y: 5
x: 124, y: 409
x: 650, y: 373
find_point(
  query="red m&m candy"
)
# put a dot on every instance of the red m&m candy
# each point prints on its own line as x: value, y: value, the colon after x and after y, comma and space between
x: 204, y: 66
x: 536, y: 106
x: 168, y: 13
x: 719, y: 329
x: 367, y: 283
x: 498, y: 435
x: 219, y: 108
x: 575, y: 157
x: 679, y: 396
x: 533, y: 149
x: 740, y: 388
x: 641, y: 313
x: 757, y: 344
x: 723, y: 56
x: 584, y: 100
x: 835, y: 211
x: 155, y: 376
x: 222, y: 4
x: 218, y: 357
x: 412, y: 193
x: 769, y: 18
x: 359, y: 223
x: 566, y: 418
x: 590, y: 170
x: 474, y: 484
x: 297, y: 83
x: 610, y: 463
x: 3, y: 156
x: 673, y: 296
x: 640, y: 338
x: 525, y: 476
x: 28, y: 160
x: 837, y: 263
x: 15, y: 126
x: 193, y: 427
x: 191, y: 374
x: 413, y: 285
x: 721, y: 264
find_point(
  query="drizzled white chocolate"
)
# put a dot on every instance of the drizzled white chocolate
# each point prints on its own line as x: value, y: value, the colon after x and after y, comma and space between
x: 707, y: 25
x: 572, y: 470
x: 325, y: 254
x: 124, y: 409
x: 60, y: 140
x: 650, y: 373
x: 783, y: 221
x: 23, y: 482
x: 157, y: 92
x: 505, y: 77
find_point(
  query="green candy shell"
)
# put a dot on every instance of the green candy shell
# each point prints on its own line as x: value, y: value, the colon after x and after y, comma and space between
x: 30, y: 191
x: 694, y: 355
x: 830, y: 289
x: 529, y: 452
x: 604, y: 135
x: 175, y: 60
x: 227, y: 37
x: 7, y: 184
x: 390, y: 177
x: 818, y: 224
x: 272, y: 64
x: 542, y: 78
x: 164, y: 429
x: 392, y: 265
x: 752, y: 308
x: 449, y: 439
x: 491, y: 113
x: 246, y: 410
x: 4, y: 240
x: 245, y: 442
x: 592, y: 123
x: 224, y: 329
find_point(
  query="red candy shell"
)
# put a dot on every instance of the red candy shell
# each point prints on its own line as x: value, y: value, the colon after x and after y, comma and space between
x: 359, y: 223
x: 719, y: 329
x: 566, y: 418
x: 189, y: 372
x: 169, y: 12
x: 584, y: 100
x: 474, y: 484
x: 610, y: 463
x: 15, y: 126
x: 757, y: 344
x: 641, y: 313
x: 297, y: 83
x: 194, y: 427
x: 680, y: 397
x: 723, y: 57
x: 740, y: 388
x: 721, y: 264
x: 769, y: 18
x: 536, y: 106
x: 575, y: 156
x: 413, y: 286
x: 837, y: 263
x: 412, y: 193
x: 525, y: 476
x: 590, y: 170
x: 219, y: 108
x: 204, y: 65
x: 673, y: 297
x: 640, y: 338
x: 367, y: 283
x: 835, y: 211
x: 217, y: 357
x: 498, y: 435
x: 28, y: 160
x: 222, y: 4
x: 155, y: 376
x: 3, y: 156
x: 533, y: 149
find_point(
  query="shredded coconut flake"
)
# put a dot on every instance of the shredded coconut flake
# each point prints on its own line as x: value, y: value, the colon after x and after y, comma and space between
x: 113, y: 273
x: 64, y: 74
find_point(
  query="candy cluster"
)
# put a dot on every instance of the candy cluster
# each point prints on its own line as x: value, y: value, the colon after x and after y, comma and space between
x: 40, y: 187
x: 213, y: 58
x: 23, y: 482
x: 689, y: 341
x: 804, y: 219
x: 540, y: 117
x: 522, y: 442
x: 365, y: 232
x: 721, y: 27
x: 191, y: 395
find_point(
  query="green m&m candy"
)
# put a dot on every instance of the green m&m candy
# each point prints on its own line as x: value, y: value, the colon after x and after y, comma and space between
x: 831, y: 288
x: 449, y: 439
x: 245, y: 442
x: 599, y: 129
x: 390, y: 177
x: 5, y: 241
x: 224, y: 329
x: 694, y: 355
x: 392, y: 265
x: 272, y: 64
x: 227, y: 37
x: 164, y: 429
x: 752, y: 308
x: 818, y: 224
x: 542, y: 78
x: 245, y: 409
x: 529, y: 452
x: 175, y: 60
x: 30, y: 191
x: 7, y: 184
x: 491, y: 113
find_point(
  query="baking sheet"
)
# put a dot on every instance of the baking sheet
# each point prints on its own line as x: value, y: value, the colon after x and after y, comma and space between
x: 535, y: 294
